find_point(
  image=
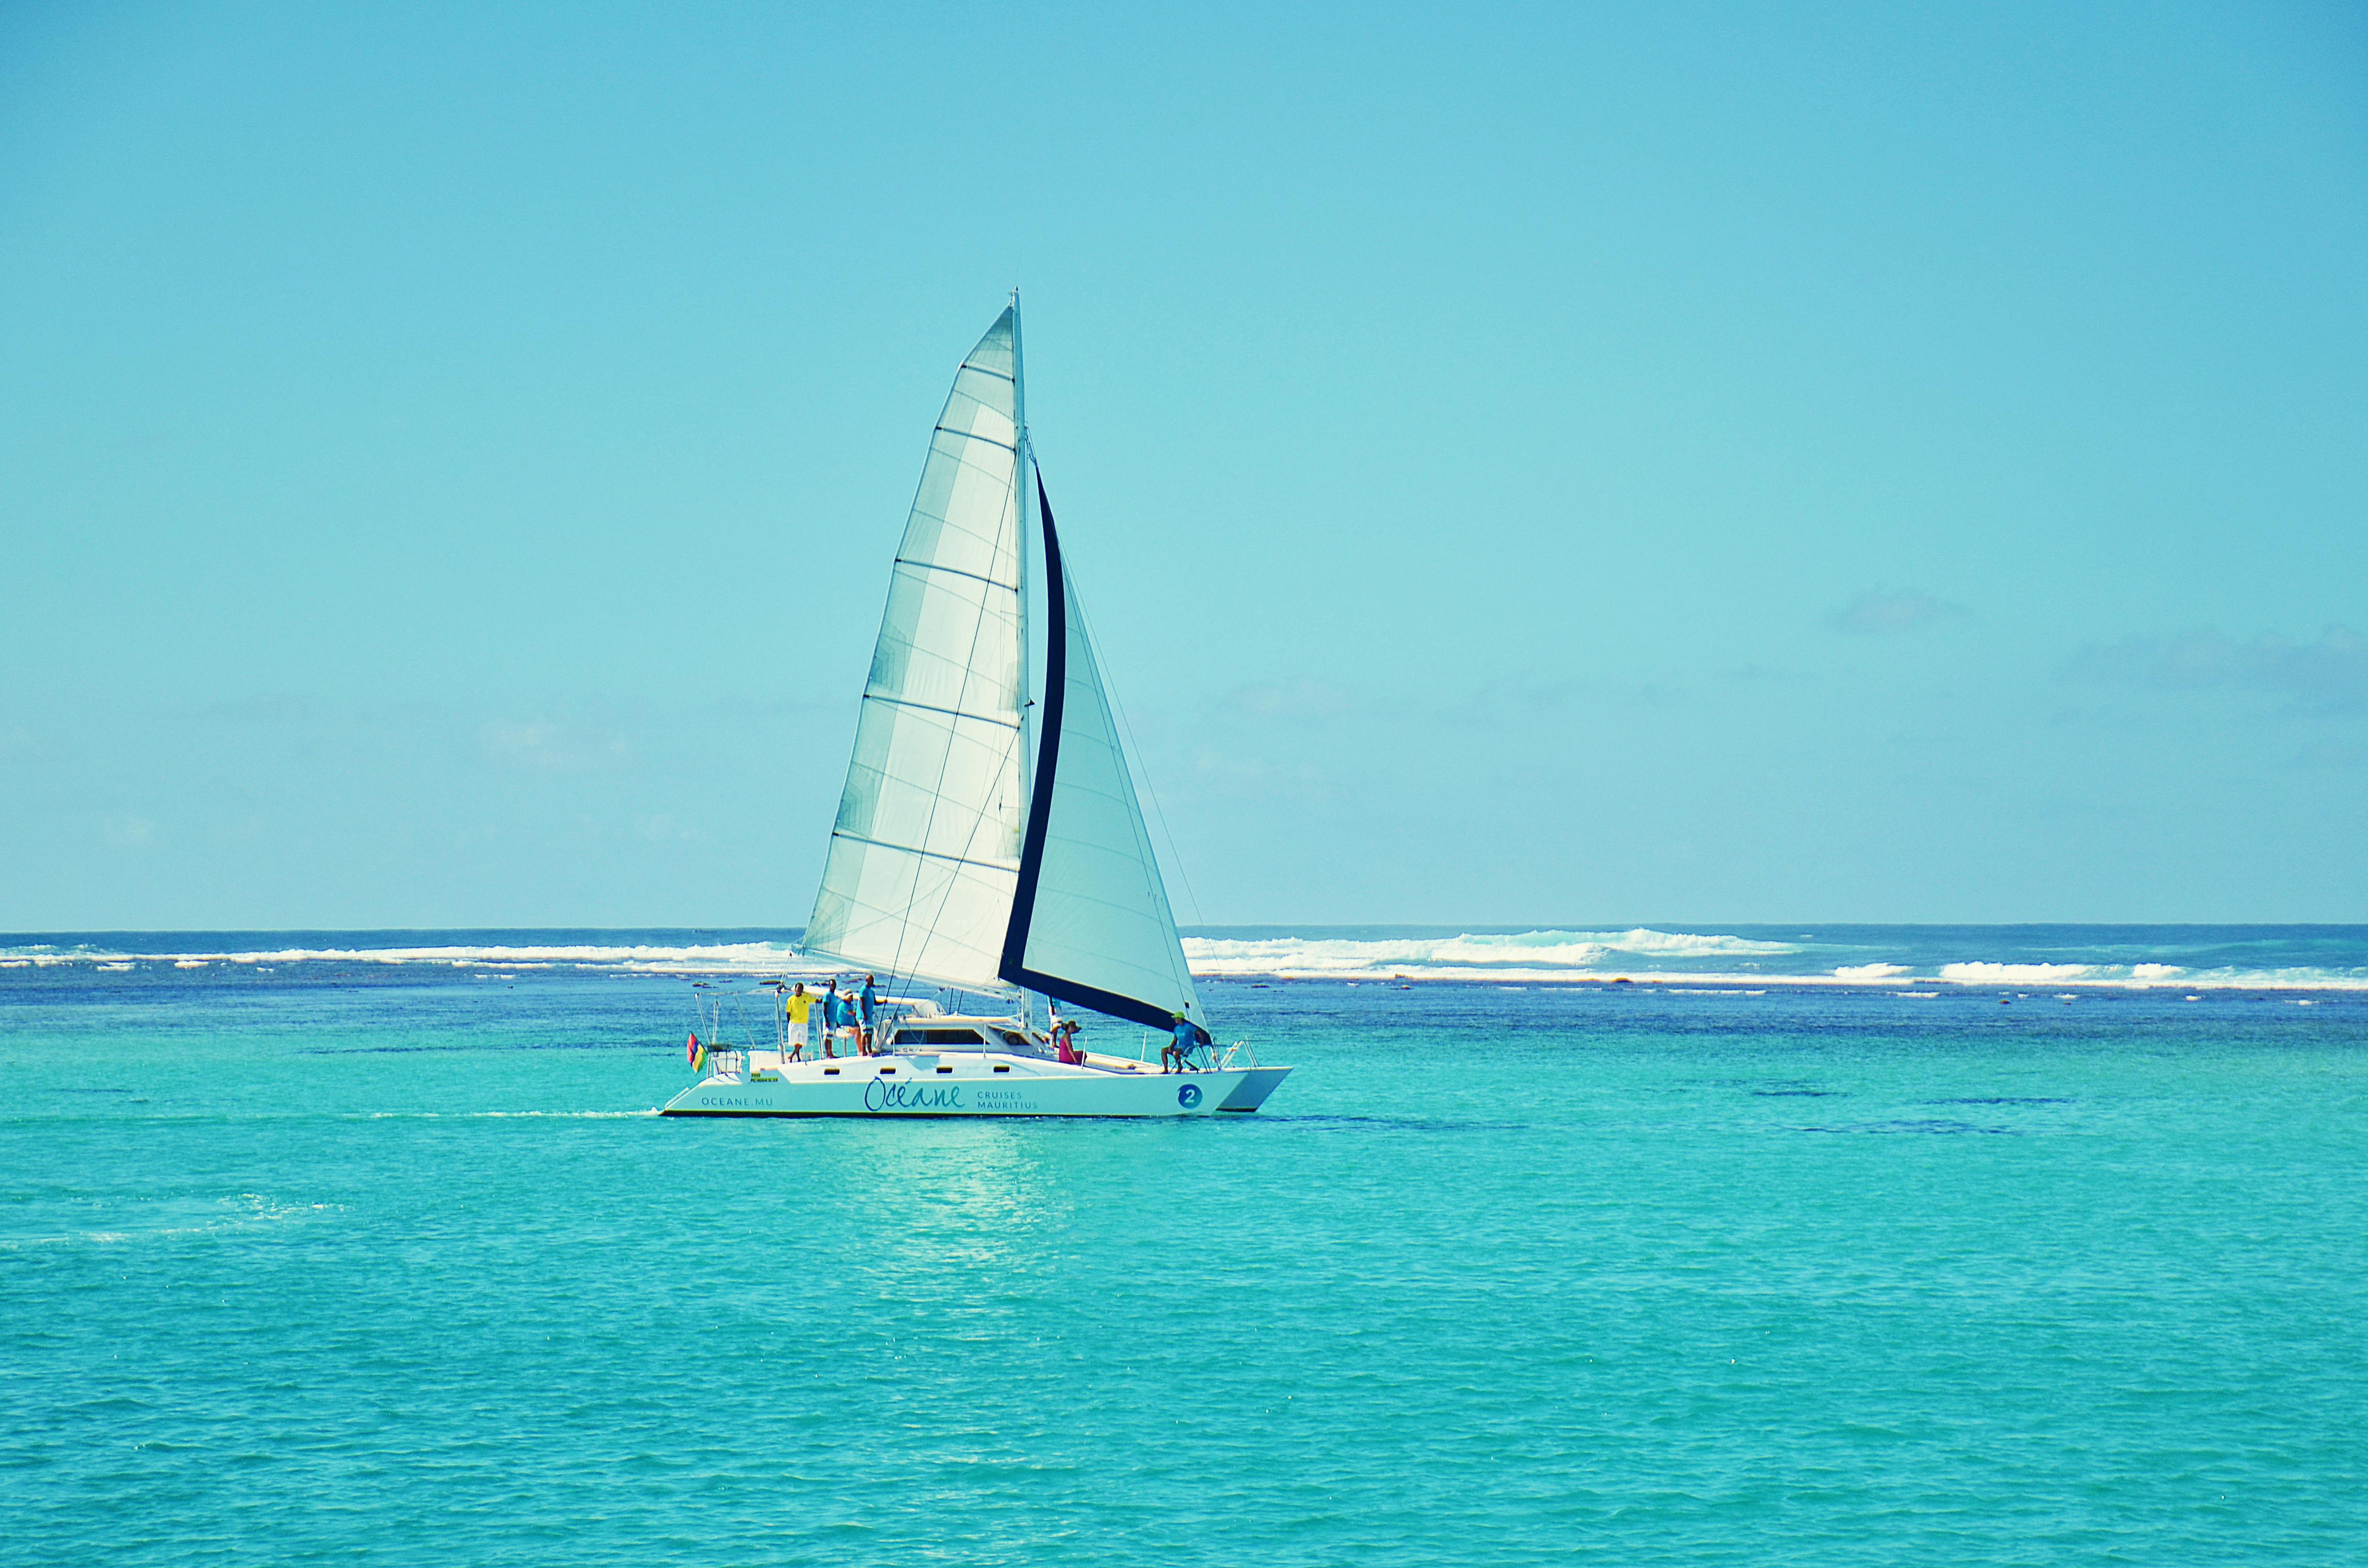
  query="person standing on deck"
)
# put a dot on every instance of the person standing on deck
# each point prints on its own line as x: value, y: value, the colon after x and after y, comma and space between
x: 870, y: 1004
x: 799, y: 1006
x: 827, y: 1003
x: 842, y: 1017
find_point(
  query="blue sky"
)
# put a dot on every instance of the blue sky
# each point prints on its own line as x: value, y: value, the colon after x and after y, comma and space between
x: 1542, y: 465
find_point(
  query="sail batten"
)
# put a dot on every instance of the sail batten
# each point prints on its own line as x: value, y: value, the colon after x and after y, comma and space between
x: 952, y: 571
x: 930, y: 854
x: 954, y: 712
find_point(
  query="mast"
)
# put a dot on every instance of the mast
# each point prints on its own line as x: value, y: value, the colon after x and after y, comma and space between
x: 1019, y: 513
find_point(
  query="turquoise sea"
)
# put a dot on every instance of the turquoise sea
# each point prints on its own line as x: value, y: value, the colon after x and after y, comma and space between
x: 1798, y: 1248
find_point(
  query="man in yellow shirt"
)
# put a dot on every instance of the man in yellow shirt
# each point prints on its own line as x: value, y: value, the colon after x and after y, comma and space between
x: 801, y: 1009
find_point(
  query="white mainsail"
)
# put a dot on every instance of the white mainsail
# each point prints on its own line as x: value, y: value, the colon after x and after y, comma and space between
x: 1092, y: 923
x: 925, y: 856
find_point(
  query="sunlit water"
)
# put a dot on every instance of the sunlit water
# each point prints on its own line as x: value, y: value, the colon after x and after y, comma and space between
x: 388, y: 1263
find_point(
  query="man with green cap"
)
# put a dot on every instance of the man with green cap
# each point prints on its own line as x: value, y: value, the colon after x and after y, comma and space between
x: 1190, y: 1037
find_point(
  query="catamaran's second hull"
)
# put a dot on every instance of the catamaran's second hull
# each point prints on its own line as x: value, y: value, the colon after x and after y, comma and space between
x: 970, y: 1086
x: 1256, y: 1084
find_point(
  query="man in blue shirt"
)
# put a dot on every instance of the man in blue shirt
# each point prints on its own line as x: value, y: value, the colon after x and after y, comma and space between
x: 870, y: 1010
x: 842, y: 1018
x: 1190, y: 1037
x: 830, y: 1018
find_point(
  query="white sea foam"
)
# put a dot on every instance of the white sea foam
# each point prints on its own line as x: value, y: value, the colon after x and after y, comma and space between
x: 559, y: 1115
x: 1869, y: 971
x: 1527, y: 955
x: 2143, y: 976
x: 1660, y: 958
x: 245, y: 1210
x: 723, y: 957
x: 2018, y: 973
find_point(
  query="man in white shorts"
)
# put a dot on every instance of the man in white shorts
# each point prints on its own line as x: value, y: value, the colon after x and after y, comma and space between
x: 801, y: 1011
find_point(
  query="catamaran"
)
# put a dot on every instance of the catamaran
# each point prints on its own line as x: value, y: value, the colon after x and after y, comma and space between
x: 955, y: 864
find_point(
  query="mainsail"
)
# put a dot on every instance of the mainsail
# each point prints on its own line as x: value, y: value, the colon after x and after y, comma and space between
x: 1091, y: 924
x: 925, y: 856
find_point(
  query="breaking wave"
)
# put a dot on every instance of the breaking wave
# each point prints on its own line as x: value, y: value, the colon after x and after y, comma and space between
x: 2025, y: 974
x: 1672, y: 957
x: 721, y: 958
x: 1864, y: 957
x: 1540, y: 955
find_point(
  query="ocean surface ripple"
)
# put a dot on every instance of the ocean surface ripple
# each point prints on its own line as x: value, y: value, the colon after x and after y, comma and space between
x: 384, y: 1259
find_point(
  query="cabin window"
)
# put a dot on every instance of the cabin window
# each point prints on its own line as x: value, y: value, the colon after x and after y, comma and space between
x: 830, y: 1072
x: 1003, y: 1066
x: 945, y: 1069
x: 939, y: 1037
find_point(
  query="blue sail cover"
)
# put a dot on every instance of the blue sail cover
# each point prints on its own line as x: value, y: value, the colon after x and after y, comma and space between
x: 1089, y: 922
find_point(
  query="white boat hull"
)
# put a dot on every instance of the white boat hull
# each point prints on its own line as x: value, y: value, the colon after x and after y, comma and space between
x: 968, y: 1083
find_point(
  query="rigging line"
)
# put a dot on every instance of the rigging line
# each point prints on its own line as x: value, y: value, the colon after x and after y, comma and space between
x: 1174, y: 854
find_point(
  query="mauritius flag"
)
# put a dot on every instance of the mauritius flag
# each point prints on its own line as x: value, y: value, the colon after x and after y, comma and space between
x: 691, y: 1053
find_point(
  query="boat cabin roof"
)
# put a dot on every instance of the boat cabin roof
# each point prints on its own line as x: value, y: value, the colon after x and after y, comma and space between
x: 960, y: 1032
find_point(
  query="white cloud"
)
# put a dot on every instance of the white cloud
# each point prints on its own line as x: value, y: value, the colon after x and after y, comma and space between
x: 286, y: 708
x: 1223, y: 773
x: 1291, y: 701
x: 1882, y: 612
x: 2329, y: 675
x: 552, y: 745
x: 127, y: 832
x: 2332, y: 755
